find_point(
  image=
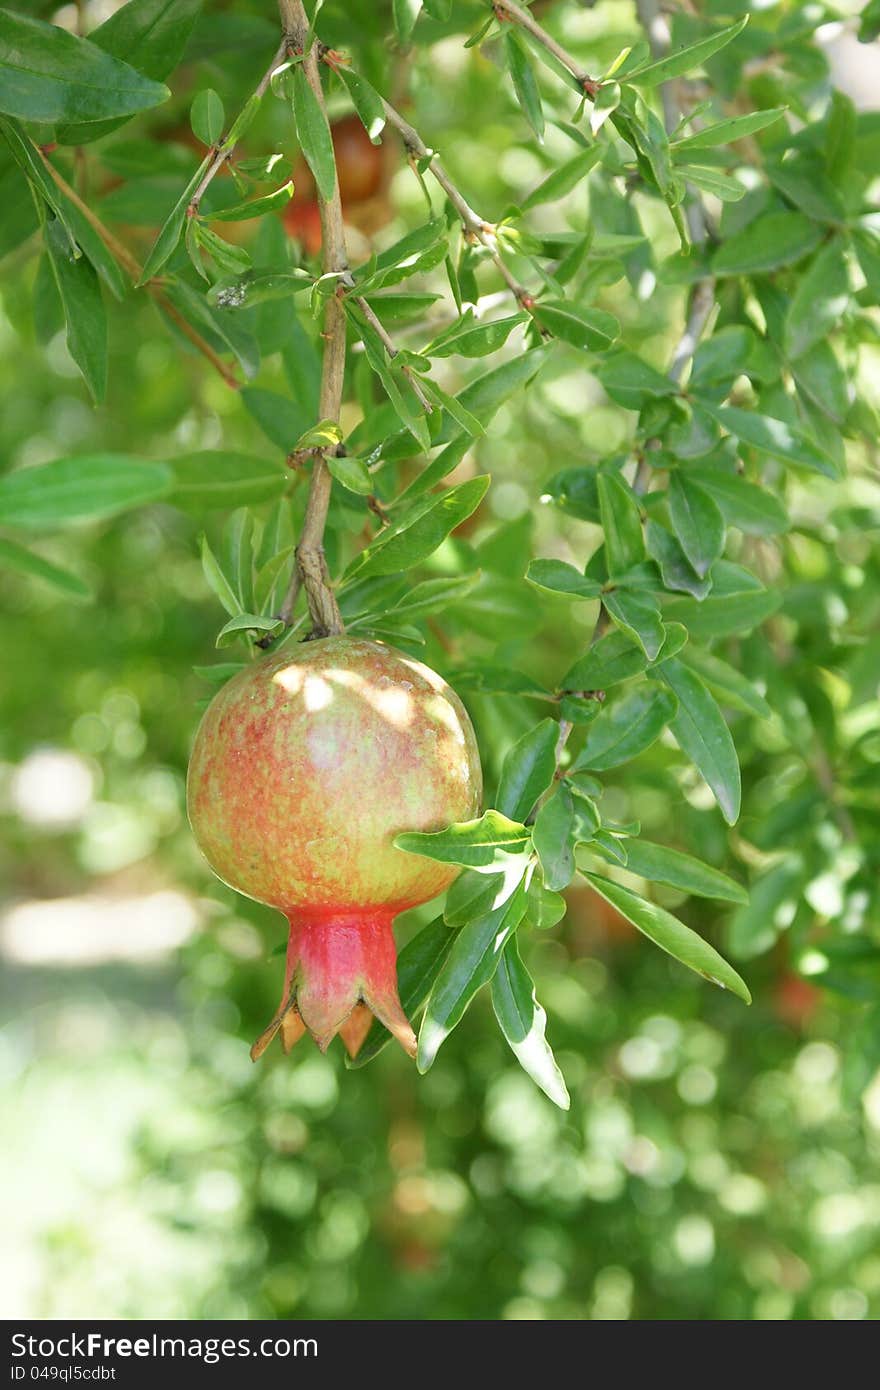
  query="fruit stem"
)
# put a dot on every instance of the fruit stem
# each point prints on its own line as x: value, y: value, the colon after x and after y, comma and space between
x: 310, y: 570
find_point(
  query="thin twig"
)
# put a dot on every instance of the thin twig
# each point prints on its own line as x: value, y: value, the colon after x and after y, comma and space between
x: 524, y: 19
x: 130, y: 265
x: 223, y: 149
x: 388, y: 343
x: 703, y: 298
x: 311, y: 570
x: 476, y: 227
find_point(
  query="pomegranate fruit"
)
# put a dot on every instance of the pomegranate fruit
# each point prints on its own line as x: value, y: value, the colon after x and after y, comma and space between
x: 305, y: 766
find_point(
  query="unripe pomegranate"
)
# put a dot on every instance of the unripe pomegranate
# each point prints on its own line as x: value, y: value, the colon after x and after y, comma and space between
x: 305, y: 767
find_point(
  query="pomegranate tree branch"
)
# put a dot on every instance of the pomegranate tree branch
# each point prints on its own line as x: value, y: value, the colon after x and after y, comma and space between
x: 378, y: 328
x: 224, y: 147
x: 311, y: 570
x: 477, y: 228
x: 702, y: 301
x: 130, y: 265
x: 512, y: 13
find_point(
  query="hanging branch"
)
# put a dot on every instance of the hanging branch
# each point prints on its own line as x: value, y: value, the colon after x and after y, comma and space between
x: 127, y: 262
x: 311, y: 570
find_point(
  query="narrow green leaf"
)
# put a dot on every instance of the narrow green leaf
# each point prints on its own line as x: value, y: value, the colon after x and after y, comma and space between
x: 524, y: 81
x: 694, y: 55
x: 561, y: 578
x: 626, y: 729
x: 612, y: 659
x: 676, y: 570
x: 366, y: 101
x: 774, y: 437
x: 697, y: 522
x: 631, y: 382
x: 259, y: 207
x: 637, y: 615
x: 313, y: 134
x: 28, y: 562
x: 88, y: 488
x: 472, y: 844
x: 563, y: 179
x: 217, y: 580
x: 471, y: 963
x: 247, y: 622
x: 743, y: 504
x: 729, y: 685
x: 84, y: 311
x: 553, y: 836
x: 523, y: 1023
x: 773, y: 240
x: 528, y: 770
x: 207, y: 117
x: 725, y: 132
x: 659, y: 864
x: 221, y: 478
x: 671, y: 936
x: 167, y: 241
x: 590, y: 330
x: 49, y: 75
x: 416, y: 535
x: 819, y: 301
x: 703, y: 736
x: 621, y: 523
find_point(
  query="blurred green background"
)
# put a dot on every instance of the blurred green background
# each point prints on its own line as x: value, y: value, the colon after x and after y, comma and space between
x: 717, y: 1162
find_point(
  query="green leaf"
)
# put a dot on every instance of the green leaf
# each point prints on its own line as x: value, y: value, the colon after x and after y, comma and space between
x: 524, y: 81
x: 16, y: 557
x: 563, y: 179
x: 671, y: 935
x: 351, y: 472
x: 774, y: 437
x: 81, y: 232
x: 88, y: 488
x: 166, y: 242
x: 49, y: 75
x: 84, y: 310
x: 659, y: 864
x: 432, y: 595
x: 703, y: 736
x: 544, y: 908
x: 631, y: 382
x: 731, y: 686
x: 474, y: 339
x: 686, y: 59
x: 725, y: 132
x: 221, y: 478
x: 366, y: 101
x: 819, y: 301
x: 472, y: 962
x: 605, y: 104
x: 313, y: 134
x: 553, y: 836
x: 637, y: 615
x: 471, y: 896
x: 247, y: 622
x: 528, y: 770
x: 591, y: 330
x: 723, y: 186
x: 523, y: 1023
x: 697, y: 522
x: 217, y: 580
x: 561, y: 578
x: 769, y: 242
x: 223, y: 329
x: 281, y: 419
x: 755, y: 927
x: 676, y: 570
x: 472, y: 844
x: 257, y: 287
x: 743, y: 504
x: 626, y: 729
x: 259, y: 207
x: 612, y: 659
x: 418, y: 966
x: 621, y: 523
x: 417, y: 533
x: 207, y: 117
x: 406, y: 12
